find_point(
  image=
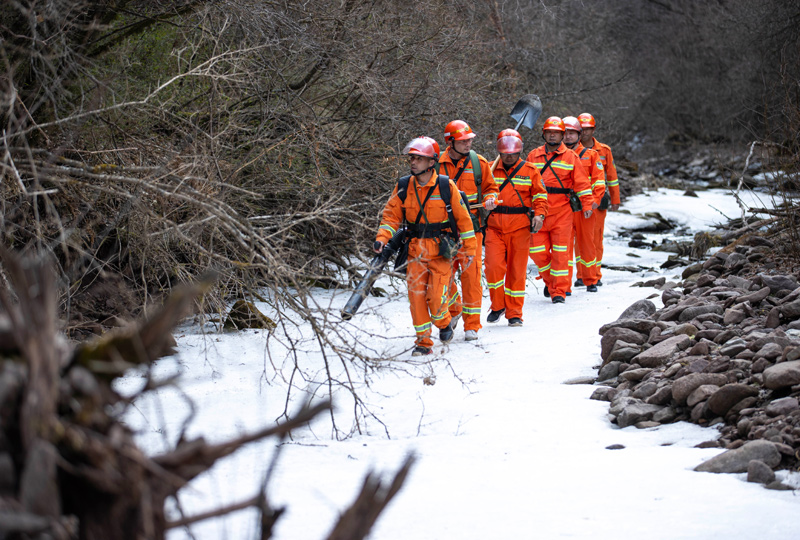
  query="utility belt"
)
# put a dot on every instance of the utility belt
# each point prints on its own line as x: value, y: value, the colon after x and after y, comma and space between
x: 511, y: 210
x: 433, y: 230
x: 559, y: 190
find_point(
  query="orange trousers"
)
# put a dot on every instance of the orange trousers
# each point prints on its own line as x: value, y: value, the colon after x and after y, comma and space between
x: 428, y: 281
x: 506, y: 269
x: 549, y: 250
x: 468, y: 303
x: 584, y: 241
x: 599, y: 228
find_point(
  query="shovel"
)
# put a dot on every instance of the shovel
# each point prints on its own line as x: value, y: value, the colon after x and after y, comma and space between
x: 526, y: 112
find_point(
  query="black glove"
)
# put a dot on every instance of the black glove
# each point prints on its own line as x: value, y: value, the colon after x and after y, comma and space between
x: 377, y: 247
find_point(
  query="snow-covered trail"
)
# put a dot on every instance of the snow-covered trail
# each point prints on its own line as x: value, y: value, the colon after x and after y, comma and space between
x: 505, y: 450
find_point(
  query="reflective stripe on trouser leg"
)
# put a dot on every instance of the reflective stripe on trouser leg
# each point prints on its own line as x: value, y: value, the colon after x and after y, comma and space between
x: 427, y: 288
x: 585, y: 239
x: 540, y: 253
x: 599, y: 227
x: 495, y: 268
x: 517, y: 251
x: 560, y: 230
x: 572, y: 253
x: 472, y: 290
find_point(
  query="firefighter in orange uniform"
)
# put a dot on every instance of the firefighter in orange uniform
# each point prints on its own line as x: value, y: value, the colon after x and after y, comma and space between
x: 459, y: 162
x: 583, y: 230
x: 612, y: 185
x: 508, y: 237
x: 423, y: 210
x: 562, y: 174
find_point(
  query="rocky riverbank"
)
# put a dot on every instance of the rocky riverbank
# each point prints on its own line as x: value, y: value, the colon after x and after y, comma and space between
x: 724, y: 351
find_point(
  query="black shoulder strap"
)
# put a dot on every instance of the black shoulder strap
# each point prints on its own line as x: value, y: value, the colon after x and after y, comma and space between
x: 444, y: 191
x: 511, y: 176
x: 582, y: 152
x: 402, y: 187
x: 549, y: 161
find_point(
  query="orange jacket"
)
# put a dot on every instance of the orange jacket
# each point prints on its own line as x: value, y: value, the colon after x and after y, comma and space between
x: 466, y: 182
x: 607, y: 159
x: 590, y: 160
x: 527, y: 184
x: 435, y: 211
x: 570, y: 172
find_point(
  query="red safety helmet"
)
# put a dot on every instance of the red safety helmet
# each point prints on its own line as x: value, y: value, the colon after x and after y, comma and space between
x: 554, y: 123
x: 457, y: 130
x: 570, y: 122
x: 509, y: 142
x: 509, y: 133
x: 421, y: 146
x: 433, y: 143
x: 586, y: 120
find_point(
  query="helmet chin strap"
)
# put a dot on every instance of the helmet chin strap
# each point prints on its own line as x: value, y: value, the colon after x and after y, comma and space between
x: 573, y: 145
x: 453, y: 148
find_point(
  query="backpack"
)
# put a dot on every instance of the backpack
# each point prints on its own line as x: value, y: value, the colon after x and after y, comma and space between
x: 444, y: 191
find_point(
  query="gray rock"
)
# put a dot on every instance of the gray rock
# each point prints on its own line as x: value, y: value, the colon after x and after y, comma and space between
x: 733, y: 346
x: 741, y: 283
x: 645, y: 390
x: 694, y: 311
x: 759, y: 472
x: 623, y: 352
x: 620, y: 402
x: 782, y: 375
x: 662, y: 396
x: 665, y: 415
x: 580, y: 380
x: 792, y: 354
x: 754, y: 297
x: 770, y: 351
x: 737, y: 461
x: 604, y: 393
x: 699, y: 349
x: 608, y: 371
x: 637, y: 412
x: 615, y: 334
x: 701, y: 393
x: 638, y: 310
x: 635, y: 375
x: 643, y: 326
x: 777, y: 485
x: 659, y: 354
x: 782, y: 406
x: 684, y: 386
x: 791, y: 310
x: 691, y: 270
x: 733, y: 316
x: 729, y: 395
x: 777, y: 282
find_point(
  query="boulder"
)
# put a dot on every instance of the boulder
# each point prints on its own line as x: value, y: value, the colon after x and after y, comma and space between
x: 659, y: 354
x: 701, y: 393
x: 695, y: 311
x: 791, y: 310
x: 782, y: 406
x: 637, y: 412
x: 737, y: 461
x: 753, y: 297
x: 684, y: 386
x: 777, y: 282
x: 782, y: 375
x: 641, y: 309
x: 643, y: 326
x: 729, y: 395
x: 759, y: 472
x: 615, y: 334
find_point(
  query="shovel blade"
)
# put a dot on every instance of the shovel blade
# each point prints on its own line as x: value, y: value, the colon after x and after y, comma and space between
x: 527, y: 110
